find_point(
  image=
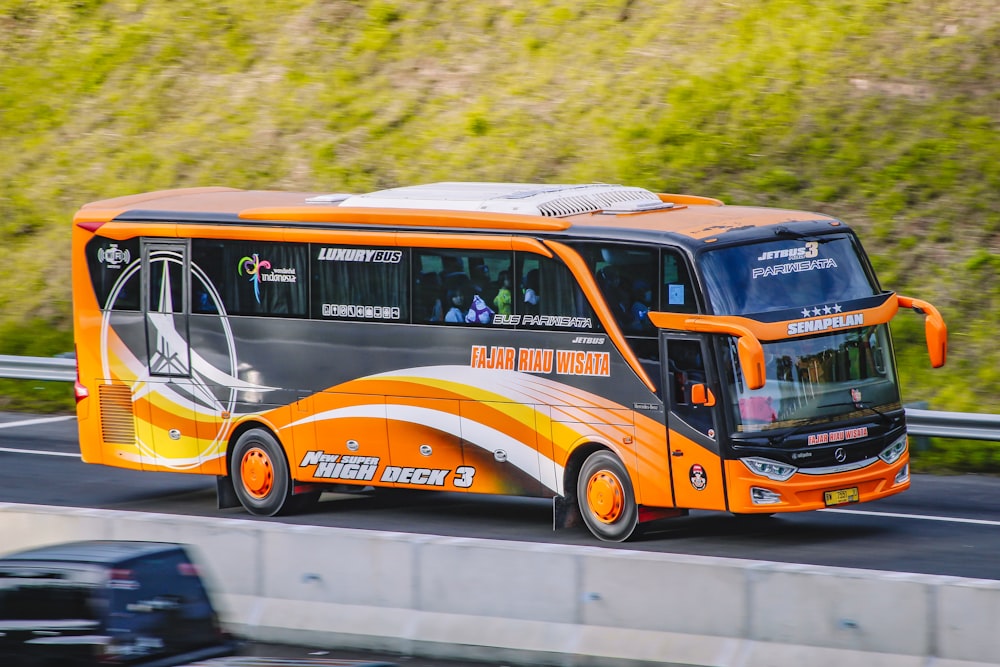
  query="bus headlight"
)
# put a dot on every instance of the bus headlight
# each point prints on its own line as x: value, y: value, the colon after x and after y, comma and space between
x: 892, y: 453
x: 779, y: 472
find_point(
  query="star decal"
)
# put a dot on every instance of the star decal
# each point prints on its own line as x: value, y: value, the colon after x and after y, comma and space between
x: 837, y: 308
x: 816, y: 312
x: 827, y: 310
x: 171, y: 349
x: 805, y: 312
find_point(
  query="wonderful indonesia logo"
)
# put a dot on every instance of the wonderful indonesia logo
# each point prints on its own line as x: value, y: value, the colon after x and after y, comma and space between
x: 259, y: 271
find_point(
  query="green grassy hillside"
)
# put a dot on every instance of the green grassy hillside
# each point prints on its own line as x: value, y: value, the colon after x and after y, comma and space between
x: 885, y: 113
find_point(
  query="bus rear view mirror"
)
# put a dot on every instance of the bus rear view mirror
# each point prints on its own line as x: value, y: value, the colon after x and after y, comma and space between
x: 751, y: 355
x: 935, y: 330
x: 702, y: 395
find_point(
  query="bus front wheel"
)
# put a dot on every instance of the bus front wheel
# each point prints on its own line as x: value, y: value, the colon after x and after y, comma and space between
x: 607, y: 501
x: 260, y: 473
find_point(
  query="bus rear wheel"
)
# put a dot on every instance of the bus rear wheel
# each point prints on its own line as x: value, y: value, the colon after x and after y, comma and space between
x: 607, y: 501
x: 260, y: 473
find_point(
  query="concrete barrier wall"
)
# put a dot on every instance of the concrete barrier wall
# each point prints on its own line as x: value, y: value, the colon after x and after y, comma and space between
x: 528, y: 603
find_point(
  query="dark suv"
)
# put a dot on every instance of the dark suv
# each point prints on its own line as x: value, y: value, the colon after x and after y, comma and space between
x: 106, y: 603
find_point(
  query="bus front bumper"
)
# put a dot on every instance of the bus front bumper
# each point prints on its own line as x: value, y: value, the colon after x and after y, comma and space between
x: 750, y: 493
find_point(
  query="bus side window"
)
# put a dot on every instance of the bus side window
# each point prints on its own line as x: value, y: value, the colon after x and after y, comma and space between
x: 346, y: 288
x: 165, y: 286
x: 530, y: 293
x: 453, y: 287
x: 547, y: 288
x: 201, y: 300
x: 685, y: 369
x: 456, y: 306
x: 114, y: 272
x: 677, y: 292
x: 428, y: 305
x: 453, y: 274
x: 615, y: 294
x: 503, y: 298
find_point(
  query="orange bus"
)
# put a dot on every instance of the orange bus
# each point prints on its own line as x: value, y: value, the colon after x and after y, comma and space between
x: 630, y: 355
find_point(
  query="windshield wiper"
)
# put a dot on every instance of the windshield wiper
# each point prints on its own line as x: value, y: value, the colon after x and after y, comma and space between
x: 780, y: 438
x: 865, y: 406
x: 785, y: 232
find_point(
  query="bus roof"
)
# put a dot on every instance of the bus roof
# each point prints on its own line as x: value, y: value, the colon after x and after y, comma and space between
x: 494, y: 206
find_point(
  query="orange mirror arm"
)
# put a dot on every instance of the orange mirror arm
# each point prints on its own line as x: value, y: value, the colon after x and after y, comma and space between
x: 935, y: 330
x: 748, y: 347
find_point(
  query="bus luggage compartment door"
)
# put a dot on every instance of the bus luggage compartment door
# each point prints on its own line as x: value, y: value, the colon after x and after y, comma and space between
x: 425, y: 444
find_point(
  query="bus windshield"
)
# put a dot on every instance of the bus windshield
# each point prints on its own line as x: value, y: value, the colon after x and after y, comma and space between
x: 785, y: 273
x: 822, y: 378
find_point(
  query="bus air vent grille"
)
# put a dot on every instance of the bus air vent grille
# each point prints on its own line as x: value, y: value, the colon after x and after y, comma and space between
x: 597, y: 200
x: 117, y: 423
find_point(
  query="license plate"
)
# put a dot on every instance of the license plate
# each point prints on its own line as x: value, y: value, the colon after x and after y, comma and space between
x: 841, y: 496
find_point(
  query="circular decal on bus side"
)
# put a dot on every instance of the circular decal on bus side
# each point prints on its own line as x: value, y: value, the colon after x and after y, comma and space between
x: 699, y: 480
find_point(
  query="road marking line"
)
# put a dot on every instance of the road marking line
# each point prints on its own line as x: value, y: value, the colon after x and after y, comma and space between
x: 895, y: 515
x: 41, y: 420
x: 37, y: 451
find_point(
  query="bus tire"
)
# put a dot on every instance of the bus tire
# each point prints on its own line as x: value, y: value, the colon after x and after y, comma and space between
x: 607, y: 501
x: 260, y: 473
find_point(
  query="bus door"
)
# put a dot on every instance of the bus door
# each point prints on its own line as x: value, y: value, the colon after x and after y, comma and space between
x: 692, y: 423
x: 165, y: 402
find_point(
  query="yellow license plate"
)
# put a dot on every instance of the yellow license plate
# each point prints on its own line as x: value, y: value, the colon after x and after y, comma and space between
x: 841, y: 496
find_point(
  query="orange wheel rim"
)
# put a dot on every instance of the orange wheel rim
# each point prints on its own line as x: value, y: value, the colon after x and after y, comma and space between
x: 257, y: 473
x: 605, y: 496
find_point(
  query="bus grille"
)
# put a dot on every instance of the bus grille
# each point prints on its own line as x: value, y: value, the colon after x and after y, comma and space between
x: 591, y: 202
x: 117, y: 424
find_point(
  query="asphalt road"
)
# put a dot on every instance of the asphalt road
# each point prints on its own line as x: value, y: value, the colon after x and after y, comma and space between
x: 942, y: 525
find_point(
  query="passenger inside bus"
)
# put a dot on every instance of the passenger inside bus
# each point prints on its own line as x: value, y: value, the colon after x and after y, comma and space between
x: 202, y: 302
x: 479, y: 312
x: 482, y: 284
x: 453, y: 275
x: 642, y: 298
x: 456, y: 306
x: 503, y: 298
x: 530, y: 292
x: 616, y: 296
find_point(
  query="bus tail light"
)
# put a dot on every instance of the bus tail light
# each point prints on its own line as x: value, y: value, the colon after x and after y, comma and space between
x: 759, y: 496
x: 80, y: 392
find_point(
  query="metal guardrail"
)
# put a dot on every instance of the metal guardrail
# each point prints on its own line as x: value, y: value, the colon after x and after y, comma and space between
x: 960, y: 425
x: 38, y: 368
